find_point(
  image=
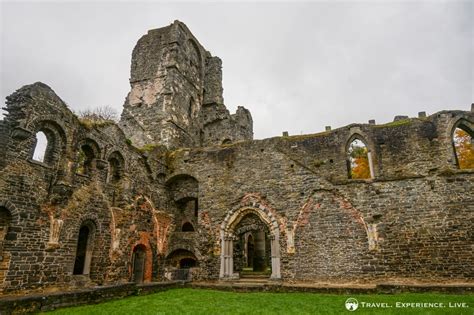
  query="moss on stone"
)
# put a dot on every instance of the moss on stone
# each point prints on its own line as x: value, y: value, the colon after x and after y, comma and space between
x: 397, y: 123
x: 304, y: 137
x: 92, y: 123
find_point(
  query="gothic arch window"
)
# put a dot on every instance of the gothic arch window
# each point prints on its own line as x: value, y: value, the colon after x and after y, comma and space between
x: 463, y: 144
x: 187, y: 227
x: 359, y: 164
x: 84, y: 249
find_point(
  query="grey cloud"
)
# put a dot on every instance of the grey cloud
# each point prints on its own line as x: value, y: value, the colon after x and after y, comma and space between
x: 296, y: 66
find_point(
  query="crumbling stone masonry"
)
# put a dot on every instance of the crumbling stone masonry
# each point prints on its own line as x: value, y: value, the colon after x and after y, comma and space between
x: 179, y: 190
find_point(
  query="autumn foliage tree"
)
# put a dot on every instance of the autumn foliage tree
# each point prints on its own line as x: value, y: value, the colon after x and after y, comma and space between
x: 464, y: 148
x: 359, y: 160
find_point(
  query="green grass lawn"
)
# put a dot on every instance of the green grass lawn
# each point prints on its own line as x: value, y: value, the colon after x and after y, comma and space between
x: 200, y: 301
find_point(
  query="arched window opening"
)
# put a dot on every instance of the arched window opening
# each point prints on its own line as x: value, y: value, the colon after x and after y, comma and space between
x: 83, y: 251
x: 84, y: 160
x: 358, y: 160
x: 116, y: 167
x: 187, y: 263
x: 40, y: 147
x: 115, y: 172
x: 187, y: 227
x: 463, y: 147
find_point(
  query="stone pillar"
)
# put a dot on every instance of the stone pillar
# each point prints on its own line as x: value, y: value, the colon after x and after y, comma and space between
x: 223, y: 251
x: 371, y: 164
x: 275, y: 245
x: 230, y: 258
x: 227, y: 260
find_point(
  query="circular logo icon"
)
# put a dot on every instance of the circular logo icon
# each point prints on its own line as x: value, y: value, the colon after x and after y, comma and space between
x: 352, y: 304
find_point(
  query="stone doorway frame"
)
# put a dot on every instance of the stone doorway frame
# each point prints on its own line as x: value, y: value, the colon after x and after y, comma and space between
x: 227, y: 237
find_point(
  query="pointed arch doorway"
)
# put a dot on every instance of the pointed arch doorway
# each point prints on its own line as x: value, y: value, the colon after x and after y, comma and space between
x: 254, y: 229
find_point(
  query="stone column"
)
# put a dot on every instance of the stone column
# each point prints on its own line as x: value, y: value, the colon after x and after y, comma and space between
x: 227, y: 261
x: 275, y: 246
x: 230, y: 258
x: 223, y: 250
x: 371, y: 165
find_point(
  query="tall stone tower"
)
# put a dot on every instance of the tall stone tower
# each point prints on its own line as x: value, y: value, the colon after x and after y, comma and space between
x: 176, y: 94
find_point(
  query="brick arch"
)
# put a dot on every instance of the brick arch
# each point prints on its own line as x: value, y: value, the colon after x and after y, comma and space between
x: 251, y: 203
x: 15, y: 214
x: 182, y: 246
x: 93, y: 144
x: 88, y: 218
x: 235, y: 216
x: 56, y: 138
x: 116, y: 153
x: 50, y: 123
x: 181, y: 252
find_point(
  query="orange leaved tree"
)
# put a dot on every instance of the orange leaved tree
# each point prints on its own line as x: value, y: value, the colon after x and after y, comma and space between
x: 464, y: 149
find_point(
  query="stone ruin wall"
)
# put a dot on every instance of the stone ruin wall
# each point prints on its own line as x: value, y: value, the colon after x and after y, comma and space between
x: 176, y: 97
x: 413, y: 221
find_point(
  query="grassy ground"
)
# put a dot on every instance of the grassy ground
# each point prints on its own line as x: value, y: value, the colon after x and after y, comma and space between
x: 199, y: 301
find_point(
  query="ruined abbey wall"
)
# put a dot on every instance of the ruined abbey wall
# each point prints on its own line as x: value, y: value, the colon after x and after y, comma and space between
x: 176, y: 186
x: 176, y: 98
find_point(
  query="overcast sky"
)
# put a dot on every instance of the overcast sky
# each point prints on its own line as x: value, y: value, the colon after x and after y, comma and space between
x: 296, y: 66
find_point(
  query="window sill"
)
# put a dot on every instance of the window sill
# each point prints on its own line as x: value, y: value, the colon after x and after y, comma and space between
x: 42, y: 164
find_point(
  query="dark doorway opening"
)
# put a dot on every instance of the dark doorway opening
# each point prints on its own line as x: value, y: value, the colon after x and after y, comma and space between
x: 81, y: 251
x: 187, y: 263
x: 139, y: 256
x: 250, y: 251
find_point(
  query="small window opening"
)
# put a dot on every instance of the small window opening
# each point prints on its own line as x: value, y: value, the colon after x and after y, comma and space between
x: 84, y: 161
x: 358, y: 160
x: 114, y: 170
x: 41, y: 146
x: 81, y: 264
x: 464, y: 148
x: 187, y: 227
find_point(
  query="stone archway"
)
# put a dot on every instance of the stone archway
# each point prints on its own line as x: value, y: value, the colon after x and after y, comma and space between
x: 228, y: 236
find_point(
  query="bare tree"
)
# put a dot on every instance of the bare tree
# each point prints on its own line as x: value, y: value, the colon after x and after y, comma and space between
x: 100, y: 114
